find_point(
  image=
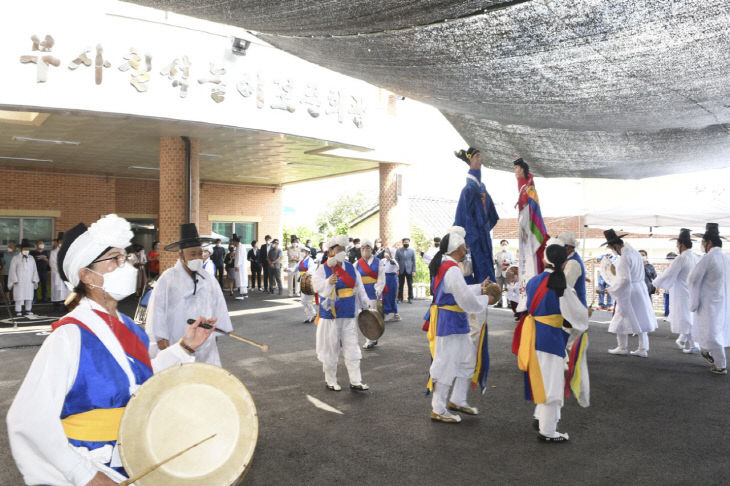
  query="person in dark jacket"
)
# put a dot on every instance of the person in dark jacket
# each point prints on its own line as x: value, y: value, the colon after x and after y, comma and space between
x: 218, y: 255
x: 253, y: 258
x: 649, y: 273
x: 41, y: 256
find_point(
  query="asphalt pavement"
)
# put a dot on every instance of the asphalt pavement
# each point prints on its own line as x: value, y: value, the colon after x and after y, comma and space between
x: 661, y: 420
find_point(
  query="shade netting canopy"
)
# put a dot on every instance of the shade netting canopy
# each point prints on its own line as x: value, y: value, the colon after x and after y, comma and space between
x: 582, y: 88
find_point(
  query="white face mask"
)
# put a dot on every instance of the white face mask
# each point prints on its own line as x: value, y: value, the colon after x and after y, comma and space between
x: 40, y: 247
x: 120, y: 283
x: 643, y: 259
x: 341, y: 257
x: 195, y: 265
x: 25, y: 252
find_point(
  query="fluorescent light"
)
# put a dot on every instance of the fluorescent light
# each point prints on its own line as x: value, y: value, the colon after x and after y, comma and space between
x: 140, y: 167
x: 210, y: 156
x: 23, y: 117
x: 26, y: 159
x: 252, y: 177
x: 43, y: 140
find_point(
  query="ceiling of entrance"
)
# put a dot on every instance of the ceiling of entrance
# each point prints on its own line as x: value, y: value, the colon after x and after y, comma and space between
x: 129, y: 147
x: 583, y: 88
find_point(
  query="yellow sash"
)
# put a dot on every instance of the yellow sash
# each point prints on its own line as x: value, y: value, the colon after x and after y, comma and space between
x: 432, y: 324
x: 527, y: 355
x: 98, y: 425
x: 368, y: 280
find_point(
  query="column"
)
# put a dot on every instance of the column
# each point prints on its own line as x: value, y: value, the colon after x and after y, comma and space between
x: 393, y: 204
x: 173, y: 192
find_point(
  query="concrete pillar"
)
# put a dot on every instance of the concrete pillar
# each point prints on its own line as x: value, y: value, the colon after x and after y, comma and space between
x: 393, y: 204
x: 173, y: 195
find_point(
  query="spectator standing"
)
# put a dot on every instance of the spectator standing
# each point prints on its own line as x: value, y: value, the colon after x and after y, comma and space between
x: 649, y: 273
x: 240, y: 268
x: 406, y: 259
x: 354, y: 253
x: 292, y: 259
x: 229, y: 262
x: 23, y: 278
x: 7, y: 257
x: 59, y: 291
x: 217, y: 256
x: 264, y: 260
x: 502, y: 261
x: 154, y: 260
x: 253, y: 258
x: 274, y: 262
x: 41, y: 256
x: 605, y: 300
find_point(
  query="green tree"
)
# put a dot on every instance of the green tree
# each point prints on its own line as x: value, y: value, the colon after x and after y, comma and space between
x: 420, y: 242
x: 336, y: 219
x: 303, y: 233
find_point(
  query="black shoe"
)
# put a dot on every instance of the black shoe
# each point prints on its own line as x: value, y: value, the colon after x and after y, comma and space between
x: 498, y: 306
x: 410, y: 301
x: 553, y: 440
x: 708, y: 357
x: 517, y: 318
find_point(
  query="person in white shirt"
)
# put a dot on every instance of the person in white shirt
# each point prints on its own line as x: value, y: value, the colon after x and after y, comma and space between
x: 239, y: 267
x: 182, y: 293
x: 307, y: 265
x: 208, y: 264
x: 502, y: 261
x: 59, y: 291
x: 709, y: 290
x: 431, y: 252
x: 23, y: 279
x: 61, y: 430
x: 292, y: 259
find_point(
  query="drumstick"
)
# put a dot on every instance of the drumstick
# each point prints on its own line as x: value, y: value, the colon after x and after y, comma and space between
x: 262, y: 347
x: 162, y: 463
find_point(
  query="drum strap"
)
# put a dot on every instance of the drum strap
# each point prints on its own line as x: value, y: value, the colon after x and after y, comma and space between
x: 98, y: 425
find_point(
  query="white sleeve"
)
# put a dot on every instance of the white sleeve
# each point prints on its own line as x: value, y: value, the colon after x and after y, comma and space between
x: 572, y: 273
x: 13, y: 273
x: 221, y: 308
x: 171, y: 356
x: 669, y: 276
x: 37, y: 439
x: 156, y: 325
x: 623, y: 278
x: 321, y: 283
x: 464, y: 294
x: 380, y: 284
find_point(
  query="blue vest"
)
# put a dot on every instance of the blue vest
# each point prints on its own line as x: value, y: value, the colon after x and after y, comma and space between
x: 344, y: 306
x: 449, y: 322
x: 547, y: 338
x: 369, y: 287
x: 100, y: 381
x: 580, y: 284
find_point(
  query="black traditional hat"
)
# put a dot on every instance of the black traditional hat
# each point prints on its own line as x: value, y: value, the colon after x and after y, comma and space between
x: 235, y: 237
x: 189, y: 237
x: 712, y: 230
x: 612, y: 238
x: 684, y: 238
x: 26, y: 243
x: 60, y: 236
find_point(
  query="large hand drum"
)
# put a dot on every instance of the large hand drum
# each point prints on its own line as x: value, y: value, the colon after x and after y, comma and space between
x: 306, y: 285
x: 179, y: 407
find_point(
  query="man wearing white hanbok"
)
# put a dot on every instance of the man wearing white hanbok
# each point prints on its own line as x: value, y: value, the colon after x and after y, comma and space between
x: 61, y: 430
x: 307, y: 265
x: 23, y: 279
x: 59, y: 291
x: 239, y: 267
x: 709, y: 290
x: 634, y: 313
x: 185, y: 292
x: 339, y: 286
x: 674, y: 279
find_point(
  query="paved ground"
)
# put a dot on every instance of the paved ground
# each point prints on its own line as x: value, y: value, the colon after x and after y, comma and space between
x: 661, y: 420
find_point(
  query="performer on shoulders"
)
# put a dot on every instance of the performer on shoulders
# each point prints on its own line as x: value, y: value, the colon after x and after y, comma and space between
x: 63, y: 431
x: 339, y: 286
x: 184, y: 292
x: 476, y: 213
x: 540, y: 340
x: 371, y: 272
x: 532, y: 232
x: 452, y: 350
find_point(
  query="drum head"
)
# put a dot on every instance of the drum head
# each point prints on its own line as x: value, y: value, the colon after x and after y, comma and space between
x: 494, y: 293
x: 371, y: 324
x: 177, y: 408
x: 306, y: 284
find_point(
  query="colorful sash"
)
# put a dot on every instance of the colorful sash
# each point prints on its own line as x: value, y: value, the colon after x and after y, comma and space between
x: 349, y: 291
x: 373, y: 276
x: 431, y: 324
x: 577, y: 379
x: 481, y: 370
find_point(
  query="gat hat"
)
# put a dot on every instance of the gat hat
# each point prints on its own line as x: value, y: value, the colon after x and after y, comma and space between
x: 189, y: 237
x: 568, y: 238
x: 684, y: 237
x: 235, y: 237
x: 712, y: 230
x: 60, y: 236
x: 26, y: 243
x: 612, y: 238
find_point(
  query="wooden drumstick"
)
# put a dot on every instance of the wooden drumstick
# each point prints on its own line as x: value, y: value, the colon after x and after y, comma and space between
x: 162, y: 463
x: 262, y: 347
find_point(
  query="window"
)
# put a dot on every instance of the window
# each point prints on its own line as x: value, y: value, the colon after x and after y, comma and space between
x: 34, y: 229
x: 246, y: 231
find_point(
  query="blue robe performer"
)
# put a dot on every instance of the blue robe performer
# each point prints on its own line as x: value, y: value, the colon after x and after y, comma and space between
x: 477, y: 215
x: 540, y: 340
x: 64, y: 421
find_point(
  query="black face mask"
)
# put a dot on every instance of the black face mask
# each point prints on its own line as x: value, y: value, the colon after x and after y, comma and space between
x: 406, y: 245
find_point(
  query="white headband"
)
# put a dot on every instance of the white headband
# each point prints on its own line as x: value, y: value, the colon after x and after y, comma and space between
x: 109, y: 231
x: 552, y: 241
x: 338, y: 240
x: 456, y: 238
